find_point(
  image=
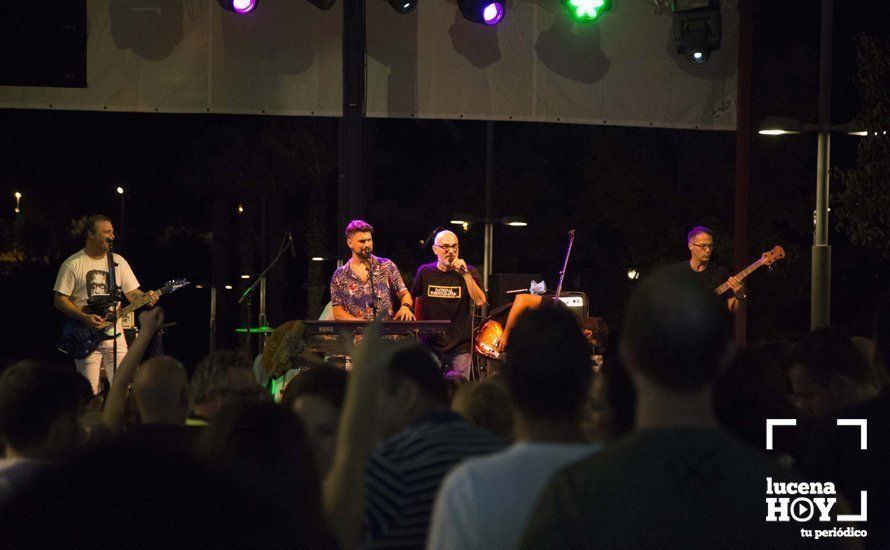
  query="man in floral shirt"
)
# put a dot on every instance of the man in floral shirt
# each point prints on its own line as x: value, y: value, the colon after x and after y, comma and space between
x: 363, y: 288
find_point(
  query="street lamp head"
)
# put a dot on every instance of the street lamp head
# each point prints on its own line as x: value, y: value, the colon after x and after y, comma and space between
x: 778, y: 126
x: 120, y: 190
x: 514, y: 221
x: 18, y: 195
x: 463, y: 219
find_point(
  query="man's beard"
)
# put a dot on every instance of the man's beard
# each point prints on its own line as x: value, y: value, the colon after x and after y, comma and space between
x: 364, y: 253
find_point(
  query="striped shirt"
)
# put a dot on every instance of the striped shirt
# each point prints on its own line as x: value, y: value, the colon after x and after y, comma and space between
x: 405, y: 471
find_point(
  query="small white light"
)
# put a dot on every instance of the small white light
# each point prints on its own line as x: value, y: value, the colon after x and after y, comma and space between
x: 317, y: 259
x: 245, y: 276
x: 120, y: 190
x: 240, y: 208
x: 228, y: 287
x: 19, y: 195
x: 633, y: 274
x: 517, y: 224
x: 776, y: 132
x: 199, y: 286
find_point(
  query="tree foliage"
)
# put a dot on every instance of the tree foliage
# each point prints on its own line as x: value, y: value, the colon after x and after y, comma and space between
x: 864, y: 203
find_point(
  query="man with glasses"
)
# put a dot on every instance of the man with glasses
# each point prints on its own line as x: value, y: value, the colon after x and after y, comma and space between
x: 700, y: 241
x: 443, y: 290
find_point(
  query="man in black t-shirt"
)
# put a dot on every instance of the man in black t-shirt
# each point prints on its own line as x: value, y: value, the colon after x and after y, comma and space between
x: 442, y: 291
x: 700, y: 241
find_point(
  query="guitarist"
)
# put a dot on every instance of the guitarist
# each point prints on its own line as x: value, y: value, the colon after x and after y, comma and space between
x: 82, y: 278
x: 700, y: 241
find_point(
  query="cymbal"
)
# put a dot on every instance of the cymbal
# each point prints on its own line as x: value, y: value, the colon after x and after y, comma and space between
x: 255, y: 330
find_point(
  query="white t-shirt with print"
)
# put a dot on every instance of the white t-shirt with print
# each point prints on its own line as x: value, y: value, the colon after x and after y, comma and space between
x: 81, y: 276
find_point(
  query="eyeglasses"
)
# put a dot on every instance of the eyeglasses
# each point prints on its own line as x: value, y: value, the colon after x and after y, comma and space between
x: 704, y: 246
x: 447, y: 247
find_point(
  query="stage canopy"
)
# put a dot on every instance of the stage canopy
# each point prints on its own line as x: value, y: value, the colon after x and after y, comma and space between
x: 191, y: 56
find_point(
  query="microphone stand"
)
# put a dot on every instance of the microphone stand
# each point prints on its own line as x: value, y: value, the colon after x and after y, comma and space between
x: 115, y: 295
x: 371, y: 263
x: 284, y: 244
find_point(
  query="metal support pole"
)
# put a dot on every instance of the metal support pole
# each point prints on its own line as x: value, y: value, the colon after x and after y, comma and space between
x: 489, y: 227
x: 743, y: 159
x: 820, y: 310
x: 820, y: 291
x: 212, y: 318
x: 351, y: 192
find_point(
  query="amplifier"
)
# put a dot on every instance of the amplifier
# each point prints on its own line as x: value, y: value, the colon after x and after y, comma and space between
x: 577, y: 302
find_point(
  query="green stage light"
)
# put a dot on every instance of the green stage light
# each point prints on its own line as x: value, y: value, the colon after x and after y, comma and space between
x: 587, y: 10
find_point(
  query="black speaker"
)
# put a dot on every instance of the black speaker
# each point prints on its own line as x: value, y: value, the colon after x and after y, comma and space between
x: 43, y: 43
x: 500, y: 283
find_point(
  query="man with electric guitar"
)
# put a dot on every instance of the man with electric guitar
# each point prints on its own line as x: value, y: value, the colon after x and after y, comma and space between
x: 82, y: 293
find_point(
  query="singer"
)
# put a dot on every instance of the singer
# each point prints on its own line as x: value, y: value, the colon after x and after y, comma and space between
x: 82, y: 278
x: 443, y: 290
x: 364, y: 287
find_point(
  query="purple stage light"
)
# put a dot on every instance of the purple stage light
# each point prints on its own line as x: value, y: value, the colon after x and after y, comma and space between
x: 493, y: 13
x: 243, y: 6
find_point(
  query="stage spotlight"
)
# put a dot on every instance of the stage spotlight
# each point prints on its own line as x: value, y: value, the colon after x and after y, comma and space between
x: 403, y: 7
x: 238, y: 6
x: 587, y: 10
x: 697, y: 28
x: 482, y: 11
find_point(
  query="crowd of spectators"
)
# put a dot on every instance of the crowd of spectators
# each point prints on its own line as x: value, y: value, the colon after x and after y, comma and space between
x: 663, y: 446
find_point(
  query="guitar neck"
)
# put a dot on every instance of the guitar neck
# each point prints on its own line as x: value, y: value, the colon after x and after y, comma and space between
x: 141, y: 301
x: 740, y: 275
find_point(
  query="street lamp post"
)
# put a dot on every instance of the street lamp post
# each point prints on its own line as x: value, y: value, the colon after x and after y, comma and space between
x: 820, y: 289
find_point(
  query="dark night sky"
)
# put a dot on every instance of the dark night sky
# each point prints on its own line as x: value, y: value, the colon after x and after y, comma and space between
x: 630, y: 193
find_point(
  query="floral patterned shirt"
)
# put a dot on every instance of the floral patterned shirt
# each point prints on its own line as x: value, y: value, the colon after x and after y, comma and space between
x: 353, y: 295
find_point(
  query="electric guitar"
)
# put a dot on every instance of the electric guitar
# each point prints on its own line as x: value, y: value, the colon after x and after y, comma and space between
x: 767, y: 258
x: 79, y: 340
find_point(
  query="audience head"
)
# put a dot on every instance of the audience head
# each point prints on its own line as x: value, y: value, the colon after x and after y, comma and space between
x: 222, y: 377
x: 414, y: 387
x: 142, y: 498
x: 317, y: 395
x: 747, y: 394
x: 39, y: 408
x: 675, y: 333
x: 828, y: 373
x: 614, y: 401
x: 161, y: 392
x: 263, y: 447
x: 548, y: 370
x: 486, y: 405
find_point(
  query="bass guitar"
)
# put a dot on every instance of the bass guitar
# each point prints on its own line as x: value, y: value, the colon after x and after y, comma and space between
x: 79, y: 340
x: 767, y: 258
